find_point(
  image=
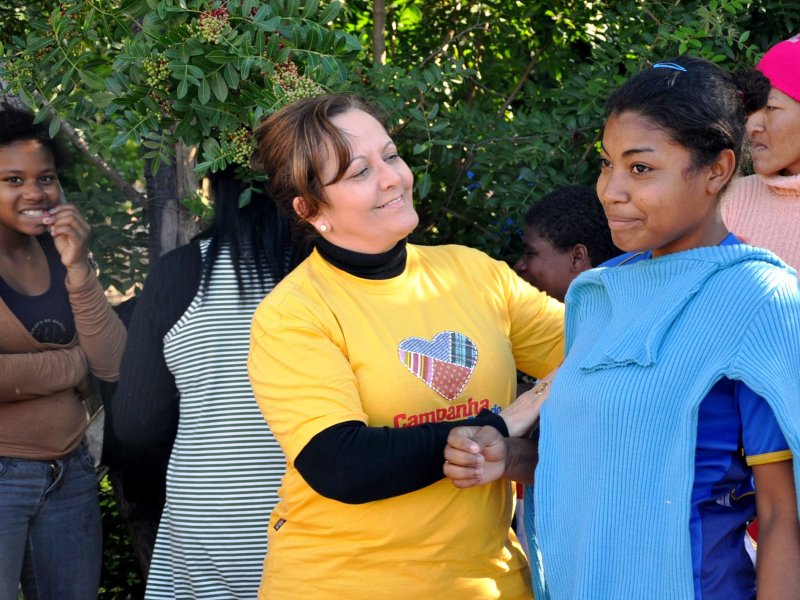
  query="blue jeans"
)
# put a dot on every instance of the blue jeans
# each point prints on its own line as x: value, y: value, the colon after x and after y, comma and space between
x: 51, y: 538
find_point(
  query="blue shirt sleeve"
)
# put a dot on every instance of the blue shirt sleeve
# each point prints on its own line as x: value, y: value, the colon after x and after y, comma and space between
x: 762, y: 437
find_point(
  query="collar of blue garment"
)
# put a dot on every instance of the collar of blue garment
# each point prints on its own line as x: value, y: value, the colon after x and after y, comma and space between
x: 645, y: 298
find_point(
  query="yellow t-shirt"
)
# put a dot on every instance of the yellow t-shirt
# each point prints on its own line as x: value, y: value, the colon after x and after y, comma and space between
x: 439, y: 342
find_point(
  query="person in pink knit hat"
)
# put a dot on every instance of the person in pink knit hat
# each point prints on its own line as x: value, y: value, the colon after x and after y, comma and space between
x: 764, y: 209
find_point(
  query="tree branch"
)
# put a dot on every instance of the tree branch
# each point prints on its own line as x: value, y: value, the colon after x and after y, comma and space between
x: 528, y: 70
x: 596, y: 139
x: 451, y: 37
x: 101, y: 164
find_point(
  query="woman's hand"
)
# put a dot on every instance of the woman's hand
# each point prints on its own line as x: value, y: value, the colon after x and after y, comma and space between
x: 474, y: 455
x: 522, y: 414
x: 478, y: 455
x: 71, y: 236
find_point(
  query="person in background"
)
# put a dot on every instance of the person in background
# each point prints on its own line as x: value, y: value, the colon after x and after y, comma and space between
x: 566, y: 233
x: 764, y: 209
x: 184, y: 394
x: 680, y: 383
x: 365, y: 357
x: 56, y: 327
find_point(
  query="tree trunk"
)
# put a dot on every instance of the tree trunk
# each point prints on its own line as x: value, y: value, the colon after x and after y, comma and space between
x: 188, y: 224
x: 171, y: 224
x: 161, y: 197
x: 378, y: 32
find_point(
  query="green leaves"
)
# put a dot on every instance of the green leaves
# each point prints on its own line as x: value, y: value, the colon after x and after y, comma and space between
x: 218, y: 59
x: 218, y: 86
x: 493, y: 104
x: 330, y: 12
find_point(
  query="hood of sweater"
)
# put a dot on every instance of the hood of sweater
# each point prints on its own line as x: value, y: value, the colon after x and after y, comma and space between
x: 783, y: 185
x: 647, y: 297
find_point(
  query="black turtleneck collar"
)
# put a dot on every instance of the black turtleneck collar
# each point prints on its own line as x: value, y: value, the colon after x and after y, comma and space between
x: 367, y: 266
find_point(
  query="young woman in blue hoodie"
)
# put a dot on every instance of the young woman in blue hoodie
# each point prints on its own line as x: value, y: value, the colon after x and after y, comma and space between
x: 680, y: 388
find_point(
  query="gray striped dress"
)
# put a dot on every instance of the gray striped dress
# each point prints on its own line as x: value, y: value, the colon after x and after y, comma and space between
x: 225, y: 467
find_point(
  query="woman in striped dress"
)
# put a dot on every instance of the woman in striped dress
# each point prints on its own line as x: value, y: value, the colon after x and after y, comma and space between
x: 184, y: 393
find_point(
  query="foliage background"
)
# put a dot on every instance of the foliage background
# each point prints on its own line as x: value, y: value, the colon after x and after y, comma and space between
x: 493, y: 103
x: 503, y: 101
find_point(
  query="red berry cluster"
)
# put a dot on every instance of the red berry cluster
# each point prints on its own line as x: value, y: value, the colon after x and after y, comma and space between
x: 164, y: 105
x: 211, y: 24
x: 63, y: 8
x: 294, y: 85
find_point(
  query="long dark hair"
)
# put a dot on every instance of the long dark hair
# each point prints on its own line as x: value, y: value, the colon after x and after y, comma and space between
x: 259, y: 238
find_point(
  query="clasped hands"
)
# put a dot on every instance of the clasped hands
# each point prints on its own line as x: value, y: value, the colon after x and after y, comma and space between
x: 475, y: 455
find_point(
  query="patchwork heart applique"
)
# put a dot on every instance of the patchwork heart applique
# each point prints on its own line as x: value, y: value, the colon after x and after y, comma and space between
x: 445, y: 363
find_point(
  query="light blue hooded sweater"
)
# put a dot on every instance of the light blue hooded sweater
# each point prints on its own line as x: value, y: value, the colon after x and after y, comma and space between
x: 645, y: 343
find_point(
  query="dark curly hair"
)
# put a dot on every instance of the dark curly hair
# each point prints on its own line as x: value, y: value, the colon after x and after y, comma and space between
x: 573, y: 215
x: 18, y: 125
x: 754, y: 87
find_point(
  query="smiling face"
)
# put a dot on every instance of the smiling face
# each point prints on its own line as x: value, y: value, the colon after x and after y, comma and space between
x: 774, y: 133
x: 28, y: 187
x: 544, y: 266
x: 653, y: 197
x: 370, y: 208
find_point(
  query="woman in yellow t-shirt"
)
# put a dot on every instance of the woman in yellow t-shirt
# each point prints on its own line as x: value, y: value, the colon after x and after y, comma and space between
x: 365, y: 357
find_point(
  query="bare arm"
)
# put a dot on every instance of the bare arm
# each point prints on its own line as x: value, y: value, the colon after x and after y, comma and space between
x: 778, y: 570
x: 522, y: 414
x: 28, y: 375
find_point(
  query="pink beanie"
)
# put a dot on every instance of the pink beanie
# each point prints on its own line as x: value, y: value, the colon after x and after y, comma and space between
x: 781, y: 65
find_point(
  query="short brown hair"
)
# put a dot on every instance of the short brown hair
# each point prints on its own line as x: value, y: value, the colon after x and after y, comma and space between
x: 290, y: 148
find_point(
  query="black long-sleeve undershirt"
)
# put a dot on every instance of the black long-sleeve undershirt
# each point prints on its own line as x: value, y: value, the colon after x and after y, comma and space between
x: 353, y: 463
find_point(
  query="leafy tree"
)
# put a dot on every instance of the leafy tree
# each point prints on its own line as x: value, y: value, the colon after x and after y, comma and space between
x: 181, y: 81
x: 496, y: 103
x: 493, y: 103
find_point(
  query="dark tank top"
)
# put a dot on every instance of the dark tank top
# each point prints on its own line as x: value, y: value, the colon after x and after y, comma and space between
x: 48, y: 317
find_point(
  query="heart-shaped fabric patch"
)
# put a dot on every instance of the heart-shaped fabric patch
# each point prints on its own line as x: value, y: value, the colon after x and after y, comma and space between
x: 445, y: 363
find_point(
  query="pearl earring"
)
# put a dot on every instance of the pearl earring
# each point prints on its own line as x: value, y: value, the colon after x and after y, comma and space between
x: 323, y: 228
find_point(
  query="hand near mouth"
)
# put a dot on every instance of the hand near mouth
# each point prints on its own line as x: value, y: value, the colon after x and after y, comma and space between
x: 71, y: 236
